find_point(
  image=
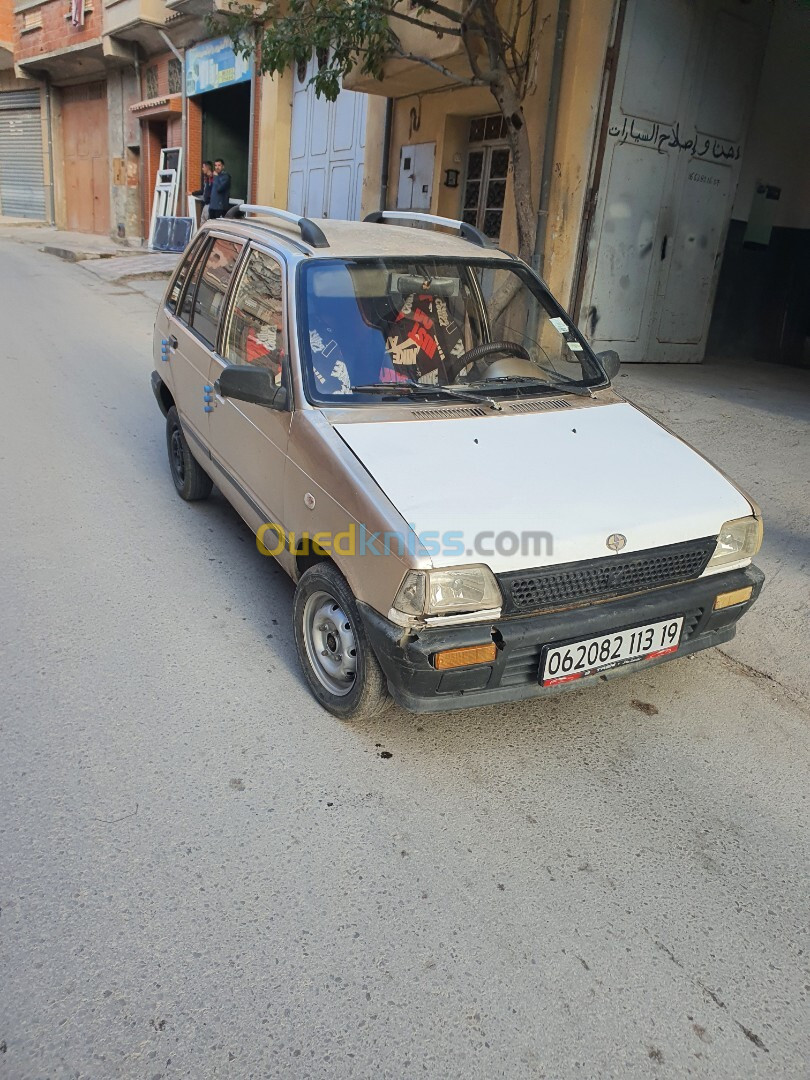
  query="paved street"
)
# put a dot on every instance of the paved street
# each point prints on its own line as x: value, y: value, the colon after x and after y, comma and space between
x: 204, y: 875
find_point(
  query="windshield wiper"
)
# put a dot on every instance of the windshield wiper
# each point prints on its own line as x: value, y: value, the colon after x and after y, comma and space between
x: 424, y: 390
x: 530, y: 380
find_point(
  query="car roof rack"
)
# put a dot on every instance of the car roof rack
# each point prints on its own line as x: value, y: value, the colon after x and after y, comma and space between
x: 310, y: 232
x: 467, y: 232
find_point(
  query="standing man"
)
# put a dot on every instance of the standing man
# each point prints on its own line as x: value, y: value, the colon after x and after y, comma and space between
x: 220, y: 191
x: 204, y: 192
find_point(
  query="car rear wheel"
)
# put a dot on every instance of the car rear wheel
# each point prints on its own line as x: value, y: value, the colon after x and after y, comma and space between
x: 338, y: 661
x: 190, y: 479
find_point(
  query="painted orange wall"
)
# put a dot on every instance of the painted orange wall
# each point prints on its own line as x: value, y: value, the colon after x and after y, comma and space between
x: 6, y: 20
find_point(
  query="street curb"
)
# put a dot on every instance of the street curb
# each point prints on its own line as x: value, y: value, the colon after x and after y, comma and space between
x: 76, y: 256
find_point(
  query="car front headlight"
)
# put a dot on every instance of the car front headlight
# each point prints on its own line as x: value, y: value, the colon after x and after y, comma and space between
x: 448, y: 592
x: 737, y: 540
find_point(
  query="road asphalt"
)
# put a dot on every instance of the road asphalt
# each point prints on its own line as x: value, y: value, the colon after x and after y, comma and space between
x: 204, y: 875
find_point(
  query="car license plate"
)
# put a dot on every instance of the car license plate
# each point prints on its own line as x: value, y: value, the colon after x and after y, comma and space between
x: 565, y: 663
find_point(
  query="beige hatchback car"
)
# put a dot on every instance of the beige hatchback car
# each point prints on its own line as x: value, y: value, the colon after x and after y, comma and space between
x: 414, y: 428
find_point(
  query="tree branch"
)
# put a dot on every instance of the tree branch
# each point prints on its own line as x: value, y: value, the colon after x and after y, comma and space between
x: 472, y: 58
x: 454, y: 31
x: 448, y: 74
x: 437, y: 9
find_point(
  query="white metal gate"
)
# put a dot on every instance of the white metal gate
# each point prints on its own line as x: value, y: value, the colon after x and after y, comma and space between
x: 327, y: 146
x: 22, y: 182
x: 685, y: 83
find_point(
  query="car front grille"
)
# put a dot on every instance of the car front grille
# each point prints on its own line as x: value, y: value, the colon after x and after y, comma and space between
x: 595, y: 579
x: 522, y: 665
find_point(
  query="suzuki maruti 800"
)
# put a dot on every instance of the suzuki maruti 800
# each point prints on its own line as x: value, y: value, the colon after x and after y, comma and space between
x: 414, y: 428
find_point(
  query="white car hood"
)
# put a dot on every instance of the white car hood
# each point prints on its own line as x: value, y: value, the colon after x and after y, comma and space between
x: 578, y: 475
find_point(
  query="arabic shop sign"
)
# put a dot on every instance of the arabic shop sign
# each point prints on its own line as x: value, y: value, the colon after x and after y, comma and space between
x: 214, y: 64
x: 664, y: 137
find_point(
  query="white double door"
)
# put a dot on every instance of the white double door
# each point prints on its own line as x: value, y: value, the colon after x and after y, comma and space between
x: 685, y: 82
x: 327, y: 147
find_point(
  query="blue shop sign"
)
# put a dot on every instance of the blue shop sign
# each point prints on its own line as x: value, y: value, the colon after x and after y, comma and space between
x: 214, y: 64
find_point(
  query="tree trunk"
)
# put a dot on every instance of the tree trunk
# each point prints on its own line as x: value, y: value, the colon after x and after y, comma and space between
x: 510, y: 107
x: 517, y: 135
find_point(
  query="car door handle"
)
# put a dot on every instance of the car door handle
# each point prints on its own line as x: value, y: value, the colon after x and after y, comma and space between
x: 664, y: 248
x: 172, y: 342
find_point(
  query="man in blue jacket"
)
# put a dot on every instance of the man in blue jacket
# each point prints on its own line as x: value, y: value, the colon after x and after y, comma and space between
x: 220, y: 191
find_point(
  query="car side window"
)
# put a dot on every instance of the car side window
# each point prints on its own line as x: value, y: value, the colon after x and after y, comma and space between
x: 255, y: 333
x: 180, y: 277
x: 217, y: 271
x: 187, y: 302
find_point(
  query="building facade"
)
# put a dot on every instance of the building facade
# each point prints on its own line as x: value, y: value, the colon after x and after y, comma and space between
x: 669, y: 136
x: 81, y: 59
x: 92, y: 92
x: 25, y: 190
x: 678, y: 197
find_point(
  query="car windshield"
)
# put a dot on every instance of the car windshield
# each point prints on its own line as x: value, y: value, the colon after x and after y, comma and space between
x: 399, y: 328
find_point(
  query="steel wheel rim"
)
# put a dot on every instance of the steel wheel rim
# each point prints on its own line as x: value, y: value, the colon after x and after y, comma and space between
x: 177, y: 456
x: 330, y: 643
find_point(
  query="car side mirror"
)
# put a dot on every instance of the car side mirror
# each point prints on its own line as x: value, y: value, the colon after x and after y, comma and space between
x: 610, y: 362
x: 247, y: 383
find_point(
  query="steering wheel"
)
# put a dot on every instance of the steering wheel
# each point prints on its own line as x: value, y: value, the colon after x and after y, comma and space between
x: 477, y: 353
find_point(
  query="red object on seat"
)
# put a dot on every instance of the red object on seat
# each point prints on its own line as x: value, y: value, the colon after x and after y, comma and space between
x: 424, y: 339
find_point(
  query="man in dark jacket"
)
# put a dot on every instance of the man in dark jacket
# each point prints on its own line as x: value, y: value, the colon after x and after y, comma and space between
x: 204, y: 192
x: 220, y: 191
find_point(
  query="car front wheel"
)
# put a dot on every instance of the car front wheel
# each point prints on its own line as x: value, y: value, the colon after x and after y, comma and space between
x: 338, y: 661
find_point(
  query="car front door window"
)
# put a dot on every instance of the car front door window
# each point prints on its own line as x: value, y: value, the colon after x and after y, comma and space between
x: 255, y: 332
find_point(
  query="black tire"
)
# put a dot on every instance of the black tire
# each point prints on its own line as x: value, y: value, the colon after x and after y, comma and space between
x: 324, y: 608
x: 190, y: 479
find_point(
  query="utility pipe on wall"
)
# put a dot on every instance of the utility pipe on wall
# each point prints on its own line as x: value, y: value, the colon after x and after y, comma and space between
x: 249, y: 189
x: 386, y: 160
x: 137, y: 65
x: 538, y: 258
x: 49, y: 124
x: 181, y: 56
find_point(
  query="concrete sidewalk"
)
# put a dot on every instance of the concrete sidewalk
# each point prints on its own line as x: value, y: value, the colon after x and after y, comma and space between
x: 100, y: 255
x: 753, y: 421
x: 152, y: 265
x: 73, y: 246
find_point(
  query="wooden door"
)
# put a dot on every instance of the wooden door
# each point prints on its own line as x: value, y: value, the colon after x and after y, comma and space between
x: 87, y: 160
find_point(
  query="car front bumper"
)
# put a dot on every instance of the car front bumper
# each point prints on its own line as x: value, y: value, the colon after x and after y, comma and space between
x: 406, y: 655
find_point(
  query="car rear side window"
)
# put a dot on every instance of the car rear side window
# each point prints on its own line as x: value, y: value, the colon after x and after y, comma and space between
x: 180, y: 277
x: 217, y: 271
x: 187, y: 302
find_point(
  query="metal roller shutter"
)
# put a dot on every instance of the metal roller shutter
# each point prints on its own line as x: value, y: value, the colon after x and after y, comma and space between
x: 22, y: 183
